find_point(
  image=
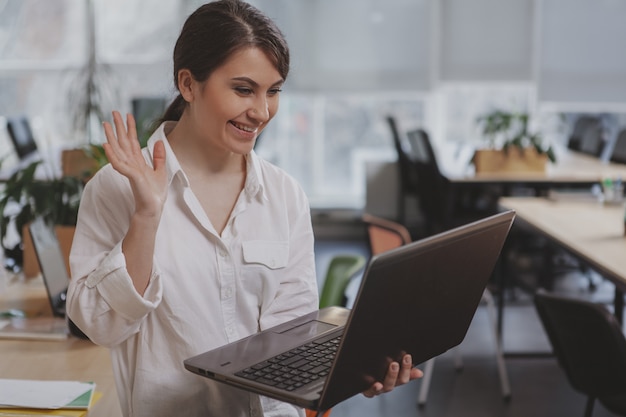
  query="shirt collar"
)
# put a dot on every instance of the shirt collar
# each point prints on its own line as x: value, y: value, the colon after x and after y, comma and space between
x: 254, y: 185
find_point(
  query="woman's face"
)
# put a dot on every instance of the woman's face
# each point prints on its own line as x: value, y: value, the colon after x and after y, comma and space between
x: 237, y: 101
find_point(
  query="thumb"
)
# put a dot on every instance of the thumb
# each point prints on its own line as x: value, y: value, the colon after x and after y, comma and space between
x: 158, y: 156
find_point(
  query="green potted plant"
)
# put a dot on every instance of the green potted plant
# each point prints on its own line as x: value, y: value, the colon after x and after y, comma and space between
x: 511, y: 146
x: 25, y: 197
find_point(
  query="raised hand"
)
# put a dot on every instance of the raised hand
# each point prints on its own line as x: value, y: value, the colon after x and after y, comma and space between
x: 149, y: 184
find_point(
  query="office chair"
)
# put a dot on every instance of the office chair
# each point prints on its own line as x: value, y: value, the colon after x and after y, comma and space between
x: 420, y: 178
x: 444, y: 206
x: 618, y: 153
x: 384, y: 235
x: 590, y: 347
x: 433, y: 189
x: 441, y: 206
x: 341, y: 269
x: 407, y: 175
x: 586, y: 136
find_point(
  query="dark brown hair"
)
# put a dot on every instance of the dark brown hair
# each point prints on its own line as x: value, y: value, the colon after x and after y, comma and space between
x: 213, y: 33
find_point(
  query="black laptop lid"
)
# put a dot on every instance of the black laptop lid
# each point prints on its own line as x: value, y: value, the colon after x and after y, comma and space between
x: 442, y: 280
x: 51, y: 263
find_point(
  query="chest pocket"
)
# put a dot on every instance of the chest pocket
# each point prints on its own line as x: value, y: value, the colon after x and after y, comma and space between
x: 272, y: 254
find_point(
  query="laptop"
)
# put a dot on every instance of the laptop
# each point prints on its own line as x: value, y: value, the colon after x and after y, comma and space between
x: 418, y: 299
x: 56, y: 280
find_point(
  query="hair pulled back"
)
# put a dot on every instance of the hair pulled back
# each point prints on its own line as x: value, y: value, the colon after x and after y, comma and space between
x: 213, y: 33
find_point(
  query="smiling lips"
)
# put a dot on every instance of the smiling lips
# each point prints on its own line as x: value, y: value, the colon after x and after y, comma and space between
x: 244, y: 128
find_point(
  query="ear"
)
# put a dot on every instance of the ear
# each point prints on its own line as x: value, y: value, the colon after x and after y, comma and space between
x: 185, y: 84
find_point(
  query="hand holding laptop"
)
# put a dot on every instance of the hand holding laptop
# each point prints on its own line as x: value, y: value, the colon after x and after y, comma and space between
x: 397, y: 374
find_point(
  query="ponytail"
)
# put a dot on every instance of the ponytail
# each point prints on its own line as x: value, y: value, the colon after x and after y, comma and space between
x: 175, y: 110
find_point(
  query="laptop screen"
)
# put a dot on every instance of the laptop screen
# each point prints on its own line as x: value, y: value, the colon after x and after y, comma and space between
x: 51, y: 263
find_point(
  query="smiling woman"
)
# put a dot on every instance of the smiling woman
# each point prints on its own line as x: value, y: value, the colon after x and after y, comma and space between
x: 228, y: 110
x: 195, y: 231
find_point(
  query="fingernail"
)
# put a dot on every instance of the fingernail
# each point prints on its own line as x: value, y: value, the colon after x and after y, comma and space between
x: 407, y: 360
x: 394, y: 366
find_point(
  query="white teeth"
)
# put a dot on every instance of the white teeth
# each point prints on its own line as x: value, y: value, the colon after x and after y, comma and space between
x: 244, y: 128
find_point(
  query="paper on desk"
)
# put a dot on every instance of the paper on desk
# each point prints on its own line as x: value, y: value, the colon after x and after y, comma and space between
x: 40, y: 394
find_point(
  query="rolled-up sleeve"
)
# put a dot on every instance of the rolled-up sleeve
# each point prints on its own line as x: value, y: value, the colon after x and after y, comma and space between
x: 102, y: 300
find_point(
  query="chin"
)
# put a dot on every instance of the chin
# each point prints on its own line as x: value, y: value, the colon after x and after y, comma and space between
x: 243, y: 148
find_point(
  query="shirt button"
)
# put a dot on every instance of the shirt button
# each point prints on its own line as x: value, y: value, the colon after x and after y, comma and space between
x: 228, y: 293
x: 222, y: 254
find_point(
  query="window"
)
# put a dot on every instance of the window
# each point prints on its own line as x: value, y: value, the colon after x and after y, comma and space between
x: 433, y: 63
x: 325, y: 140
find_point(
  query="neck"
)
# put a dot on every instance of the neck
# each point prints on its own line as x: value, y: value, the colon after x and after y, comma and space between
x: 197, y: 156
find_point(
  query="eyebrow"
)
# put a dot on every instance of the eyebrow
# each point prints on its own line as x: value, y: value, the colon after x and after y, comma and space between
x: 254, y: 83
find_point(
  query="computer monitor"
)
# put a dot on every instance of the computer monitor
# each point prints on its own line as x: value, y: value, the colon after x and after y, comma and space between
x: 22, y: 136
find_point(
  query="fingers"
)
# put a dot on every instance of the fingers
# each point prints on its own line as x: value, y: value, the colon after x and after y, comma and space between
x: 132, y: 128
x: 113, y: 142
x: 125, y: 134
x: 416, y: 373
x: 404, y: 374
x: 388, y: 383
x: 159, y: 155
x: 397, y: 374
x: 374, y: 390
x: 122, y: 147
x: 392, y: 376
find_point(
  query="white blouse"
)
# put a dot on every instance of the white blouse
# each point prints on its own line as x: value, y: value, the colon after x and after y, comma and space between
x: 206, y: 290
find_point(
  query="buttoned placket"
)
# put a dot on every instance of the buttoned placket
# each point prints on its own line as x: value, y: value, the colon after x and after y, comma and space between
x: 225, y: 265
x: 228, y: 272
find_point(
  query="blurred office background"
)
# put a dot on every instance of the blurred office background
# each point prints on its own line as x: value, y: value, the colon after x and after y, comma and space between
x: 436, y: 64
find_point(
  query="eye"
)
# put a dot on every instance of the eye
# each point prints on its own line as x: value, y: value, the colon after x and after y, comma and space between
x: 274, y: 91
x: 245, y: 91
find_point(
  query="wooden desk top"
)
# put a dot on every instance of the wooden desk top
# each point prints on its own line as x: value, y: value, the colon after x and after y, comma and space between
x: 586, y: 227
x: 72, y: 359
x: 570, y: 167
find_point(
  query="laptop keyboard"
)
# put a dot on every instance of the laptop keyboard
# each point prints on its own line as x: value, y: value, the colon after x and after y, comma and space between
x: 295, y: 368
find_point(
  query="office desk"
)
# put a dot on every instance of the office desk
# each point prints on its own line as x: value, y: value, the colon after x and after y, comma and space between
x: 73, y: 359
x: 571, y: 168
x: 590, y: 230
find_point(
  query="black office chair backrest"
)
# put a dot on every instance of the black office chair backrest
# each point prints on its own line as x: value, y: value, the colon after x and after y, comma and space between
x: 432, y: 186
x: 407, y: 175
x: 408, y: 178
x: 589, y: 345
x: 422, y: 150
x: 587, y: 136
x: 618, y: 154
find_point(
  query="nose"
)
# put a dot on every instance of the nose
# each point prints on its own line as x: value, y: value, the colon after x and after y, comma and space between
x: 260, y: 110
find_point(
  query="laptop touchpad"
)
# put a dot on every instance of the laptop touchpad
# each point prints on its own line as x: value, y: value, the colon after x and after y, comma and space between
x: 309, y: 329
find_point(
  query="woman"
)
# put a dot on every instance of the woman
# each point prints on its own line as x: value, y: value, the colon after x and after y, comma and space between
x: 195, y: 242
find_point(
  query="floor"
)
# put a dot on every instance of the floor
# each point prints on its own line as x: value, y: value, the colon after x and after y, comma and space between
x: 539, y: 387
